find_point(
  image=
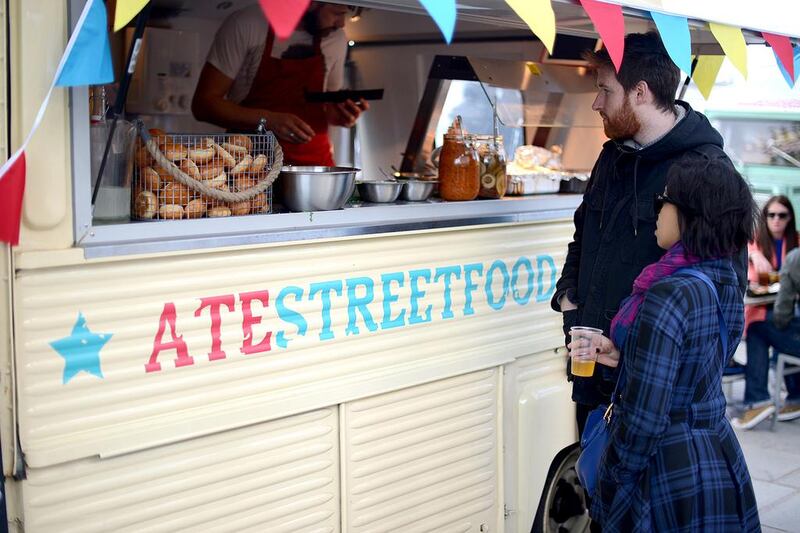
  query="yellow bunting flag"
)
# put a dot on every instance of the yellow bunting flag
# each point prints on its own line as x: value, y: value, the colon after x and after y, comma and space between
x: 705, y: 73
x: 533, y: 68
x: 125, y: 11
x: 733, y: 44
x: 539, y: 16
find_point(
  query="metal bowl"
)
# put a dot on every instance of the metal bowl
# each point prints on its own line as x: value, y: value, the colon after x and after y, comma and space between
x: 417, y: 190
x: 316, y: 188
x: 379, y: 192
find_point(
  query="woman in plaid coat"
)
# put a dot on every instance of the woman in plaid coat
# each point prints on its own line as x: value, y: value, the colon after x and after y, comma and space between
x: 673, y: 462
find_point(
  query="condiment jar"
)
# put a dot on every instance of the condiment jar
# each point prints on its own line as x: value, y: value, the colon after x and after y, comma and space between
x: 459, y: 172
x: 492, y: 164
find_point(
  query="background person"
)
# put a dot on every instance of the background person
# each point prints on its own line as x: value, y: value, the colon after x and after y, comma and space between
x: 250, y: 75
x: 673, y: 462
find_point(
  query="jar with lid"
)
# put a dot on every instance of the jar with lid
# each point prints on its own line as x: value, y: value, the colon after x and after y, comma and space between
x: 492, y: 165
x: 459, y: 172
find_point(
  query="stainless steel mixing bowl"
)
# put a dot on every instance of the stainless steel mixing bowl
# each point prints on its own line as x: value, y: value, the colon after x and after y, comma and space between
x: 379, y: 192
x: 316, y: 188
x: 417, y: 190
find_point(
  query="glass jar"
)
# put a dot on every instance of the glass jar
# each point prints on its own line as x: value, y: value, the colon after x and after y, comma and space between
x: 492, y: 165
x: 459, y: 172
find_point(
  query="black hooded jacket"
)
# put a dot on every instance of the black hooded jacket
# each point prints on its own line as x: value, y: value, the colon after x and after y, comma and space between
x: 615, y: 232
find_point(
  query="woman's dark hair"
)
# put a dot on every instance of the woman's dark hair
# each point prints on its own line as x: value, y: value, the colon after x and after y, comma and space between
x: 716, y: 211
x: 764, y: 238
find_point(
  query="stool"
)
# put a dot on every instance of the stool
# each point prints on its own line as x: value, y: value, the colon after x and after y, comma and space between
x: 780, y: 371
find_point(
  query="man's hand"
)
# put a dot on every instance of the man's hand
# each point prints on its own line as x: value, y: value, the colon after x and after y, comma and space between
x: 289, y: 127
x: 346, y: 113
x: 760, y: 262
x: 566, y: 305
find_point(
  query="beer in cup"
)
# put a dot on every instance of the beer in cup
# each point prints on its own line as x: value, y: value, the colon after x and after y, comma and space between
x: 584, y: 342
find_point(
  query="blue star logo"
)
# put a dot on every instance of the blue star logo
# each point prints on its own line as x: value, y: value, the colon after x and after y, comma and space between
x: 81, y: 350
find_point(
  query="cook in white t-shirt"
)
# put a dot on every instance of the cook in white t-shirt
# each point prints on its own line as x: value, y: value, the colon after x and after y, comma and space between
x: 235, y: 58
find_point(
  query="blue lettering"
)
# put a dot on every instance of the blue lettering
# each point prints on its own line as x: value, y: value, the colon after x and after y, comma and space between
x: 417, y: 294
x: 354, y: 303
x: 501, y: 266
x: 470, y: 286
x: 447, y: 273
x: 288, y: 315
x: 525, y: 298
x: 542, y: 296
x: 325, y: 288
x: 388, y: 299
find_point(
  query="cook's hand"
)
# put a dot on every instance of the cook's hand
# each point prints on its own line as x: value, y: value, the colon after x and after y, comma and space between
x: 289, y: 127
x: 760, y: 262
x: 607, y: 353
x: 346, y: 113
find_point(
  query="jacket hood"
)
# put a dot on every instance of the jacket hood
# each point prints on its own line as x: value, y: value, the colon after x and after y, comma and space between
x: 692, y: 132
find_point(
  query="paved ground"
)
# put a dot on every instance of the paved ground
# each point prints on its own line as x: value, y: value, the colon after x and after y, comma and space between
x: 773, y: 458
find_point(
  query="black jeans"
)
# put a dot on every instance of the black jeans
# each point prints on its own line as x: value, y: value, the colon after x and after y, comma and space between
x: 760, y: 337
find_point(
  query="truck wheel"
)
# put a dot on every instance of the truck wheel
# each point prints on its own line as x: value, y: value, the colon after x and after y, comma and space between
x: 562, y: 506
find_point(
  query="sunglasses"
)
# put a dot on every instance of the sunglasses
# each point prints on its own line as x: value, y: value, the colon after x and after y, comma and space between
x: 781, y: 216
x: 661, y: 199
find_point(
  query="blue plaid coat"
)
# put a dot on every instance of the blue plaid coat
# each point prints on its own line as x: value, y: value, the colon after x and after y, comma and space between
x: 673, y: 462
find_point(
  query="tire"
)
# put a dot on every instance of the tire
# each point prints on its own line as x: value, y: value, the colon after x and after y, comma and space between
x: 562, y: 506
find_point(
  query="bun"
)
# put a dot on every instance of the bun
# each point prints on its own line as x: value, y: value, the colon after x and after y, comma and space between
x: 240, y: 208
x: 235, y: 149
x: 202, y: 155
x: 188, y: 166
x: 145, y: 205
x: 219, y: 211
x: 170, y: 211
x: 174, y: 151
x: 241, y: 140
x: 227, y: 159
x: 220, y: 182
x: 143, y: 158
x: 242, y: 166
x: 195, y: 209
x: 242, y: 183
x: 258, y: 203
x: 211, y: 170
x: 150, y: 179
x: 258, y: 163
x: 175, y: 193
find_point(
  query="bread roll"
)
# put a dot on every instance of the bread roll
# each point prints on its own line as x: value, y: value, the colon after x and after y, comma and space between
x: 242, y: 166
x: 195, y: 209
x: 258, y: 164
x: 174, y: 152
x: 240, y: 208
x: 143, y: 158
x: 150, y: 179
x: 145, y: 205
x: 258, y: 203
x: 175, y: 193
x: 190, y: 168
x: 220, y: 182
x: 170, y: 211
x: 223, y: 155
x: 164, y: 174
x: 242, y: 141
x: 211, y: 170
x: 219, y: 211
x: 244, y: 182
x: 202, y: 153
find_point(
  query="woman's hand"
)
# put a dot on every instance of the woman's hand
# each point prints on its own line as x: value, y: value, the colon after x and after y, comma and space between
x: 607, y: 353
x: 760, y: 263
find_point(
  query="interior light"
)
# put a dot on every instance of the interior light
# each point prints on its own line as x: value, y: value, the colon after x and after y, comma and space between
x: 356, y: 16
x: 351, y: 43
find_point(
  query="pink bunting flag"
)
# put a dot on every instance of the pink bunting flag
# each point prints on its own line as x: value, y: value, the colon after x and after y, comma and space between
x: 782, y: 46
x: 284, y: 15
x: 610, y: 24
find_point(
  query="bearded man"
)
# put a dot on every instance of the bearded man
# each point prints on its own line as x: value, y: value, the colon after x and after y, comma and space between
x: 614, y: 239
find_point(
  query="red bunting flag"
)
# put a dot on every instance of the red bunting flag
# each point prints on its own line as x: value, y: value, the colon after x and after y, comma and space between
x: 284, y: 15
x: 782, y: 46
x: 12, y: 186
x: 610, y: 24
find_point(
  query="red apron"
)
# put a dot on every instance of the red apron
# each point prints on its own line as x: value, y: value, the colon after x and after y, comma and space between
x: 280, y: 85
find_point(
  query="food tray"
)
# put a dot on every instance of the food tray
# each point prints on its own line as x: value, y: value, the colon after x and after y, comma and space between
x: 193, y: 176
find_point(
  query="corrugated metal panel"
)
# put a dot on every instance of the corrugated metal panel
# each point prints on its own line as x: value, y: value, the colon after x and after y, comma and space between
x: 280, y: 476
x: 423, y: 458
x: 129, y: 409
x: 539, y: 421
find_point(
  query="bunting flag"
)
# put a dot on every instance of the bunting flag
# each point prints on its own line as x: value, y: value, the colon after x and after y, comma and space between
x: 790, y: 79
x: 705, y: 73
x: 539, y: 16
x: 732, y: 42
x: 443, y: 13
x: 284, y: 15
x: 610, y: 25
x: 674, y: 33
x: 125, y: 10
x: 782, y: 46
x: 85, y: 61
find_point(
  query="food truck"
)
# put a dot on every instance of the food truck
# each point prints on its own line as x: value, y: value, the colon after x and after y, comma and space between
x: 387, y: 366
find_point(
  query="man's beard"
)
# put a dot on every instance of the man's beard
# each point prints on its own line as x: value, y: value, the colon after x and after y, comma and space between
x: 623, y: 125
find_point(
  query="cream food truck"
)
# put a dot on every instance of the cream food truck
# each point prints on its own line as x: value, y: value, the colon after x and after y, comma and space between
x: 380, y: 367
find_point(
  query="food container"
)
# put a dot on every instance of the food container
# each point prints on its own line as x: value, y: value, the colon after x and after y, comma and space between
x: 459, y: 170
x: 417, y: 190
x: 492, y: 161
x: 379, y: 192
x: 522, y: 181
x: 308, y: 188
x: 194, y: 176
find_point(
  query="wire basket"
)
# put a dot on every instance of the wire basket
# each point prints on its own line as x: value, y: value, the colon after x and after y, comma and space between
x: 195, y: 176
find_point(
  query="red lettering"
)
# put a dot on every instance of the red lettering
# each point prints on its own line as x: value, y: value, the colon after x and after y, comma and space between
x: 249, y: 321
x: 177, y: 343
x: 215, y: 302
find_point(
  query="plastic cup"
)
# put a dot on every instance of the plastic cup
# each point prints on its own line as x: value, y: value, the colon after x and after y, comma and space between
x: 584, y: 342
